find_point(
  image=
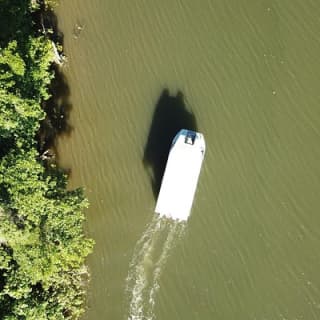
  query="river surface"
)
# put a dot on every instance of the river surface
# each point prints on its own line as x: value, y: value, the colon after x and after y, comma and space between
x: 245, y: 74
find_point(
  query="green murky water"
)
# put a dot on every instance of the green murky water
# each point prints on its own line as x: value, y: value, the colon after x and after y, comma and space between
x: 249, y: 72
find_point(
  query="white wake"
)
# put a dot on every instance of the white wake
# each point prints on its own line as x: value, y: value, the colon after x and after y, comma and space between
x: 147, y: 263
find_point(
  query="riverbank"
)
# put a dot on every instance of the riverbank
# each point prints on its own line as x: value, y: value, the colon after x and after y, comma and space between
x: 42, y: 243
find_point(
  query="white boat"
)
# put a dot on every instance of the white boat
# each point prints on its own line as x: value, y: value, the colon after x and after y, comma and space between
x: 181, y: 175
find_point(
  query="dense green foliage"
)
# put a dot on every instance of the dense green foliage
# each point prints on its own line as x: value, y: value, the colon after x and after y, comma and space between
x: 42, y: 244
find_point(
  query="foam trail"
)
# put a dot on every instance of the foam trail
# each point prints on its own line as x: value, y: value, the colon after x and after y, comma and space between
x: 148, y: 260
x: 175, y: 232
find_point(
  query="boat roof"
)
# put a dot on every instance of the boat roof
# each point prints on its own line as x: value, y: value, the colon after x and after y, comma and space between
x: 181, y: 175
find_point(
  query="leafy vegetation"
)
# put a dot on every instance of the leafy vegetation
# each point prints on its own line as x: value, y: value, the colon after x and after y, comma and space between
x: 42, y: 244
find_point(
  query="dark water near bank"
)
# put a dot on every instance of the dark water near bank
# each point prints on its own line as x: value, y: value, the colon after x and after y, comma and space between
x: 244, y: 73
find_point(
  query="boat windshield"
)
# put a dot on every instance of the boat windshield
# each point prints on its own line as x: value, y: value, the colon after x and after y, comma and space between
x: 190, y: 138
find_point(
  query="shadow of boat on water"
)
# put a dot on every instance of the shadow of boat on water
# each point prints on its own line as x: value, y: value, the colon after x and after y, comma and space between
x: 170, y: 115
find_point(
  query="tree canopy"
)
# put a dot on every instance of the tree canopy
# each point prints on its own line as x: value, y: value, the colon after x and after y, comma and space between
x: 42, y: 243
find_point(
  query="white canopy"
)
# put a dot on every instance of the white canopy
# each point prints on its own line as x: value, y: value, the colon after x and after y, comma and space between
x: 181, y: 175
